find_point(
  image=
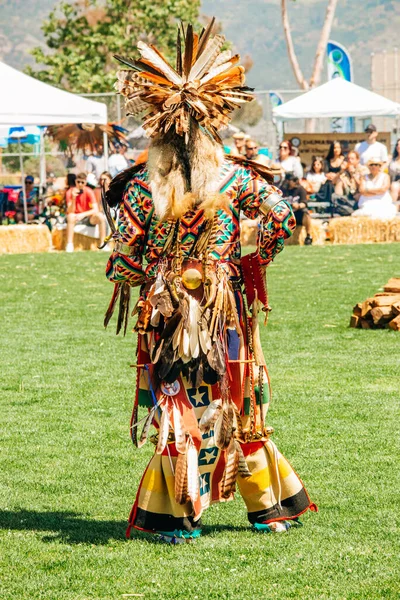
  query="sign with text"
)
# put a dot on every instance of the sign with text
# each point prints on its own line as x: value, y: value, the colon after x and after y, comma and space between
x: 317, y: 144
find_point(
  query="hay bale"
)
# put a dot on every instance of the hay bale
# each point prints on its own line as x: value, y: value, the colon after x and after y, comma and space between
x: 23, y: 239
x: 81, y: 242
x: 318, y: 235
x: 363, y: 230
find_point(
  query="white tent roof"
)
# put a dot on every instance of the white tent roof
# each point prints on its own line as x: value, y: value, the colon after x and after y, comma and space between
x: 28, y: 101
x: 337, y: 98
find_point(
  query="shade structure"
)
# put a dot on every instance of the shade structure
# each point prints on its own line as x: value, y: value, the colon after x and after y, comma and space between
x: 28, y: 135
x: 337, y: 98
x: 28, y: 101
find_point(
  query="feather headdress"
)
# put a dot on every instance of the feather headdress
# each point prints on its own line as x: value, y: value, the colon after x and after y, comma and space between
x: 206, y: 84
x: 85, y: 136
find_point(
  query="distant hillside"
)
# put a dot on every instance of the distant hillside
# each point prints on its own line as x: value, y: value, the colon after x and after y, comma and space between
x: 254, y: 26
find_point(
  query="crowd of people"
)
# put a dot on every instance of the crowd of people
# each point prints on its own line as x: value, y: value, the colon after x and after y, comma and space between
x: 361, y: 182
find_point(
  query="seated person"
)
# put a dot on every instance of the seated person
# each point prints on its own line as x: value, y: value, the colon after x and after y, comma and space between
x: 316, y: 176
x: 82, y: 207
x: 394, y: 173
x: 375, y: 200
x: 296, y: 196
x: 32, y: 202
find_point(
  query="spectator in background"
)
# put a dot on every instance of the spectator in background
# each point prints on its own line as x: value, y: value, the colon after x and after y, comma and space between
x: 117, y: 161
x: 375, y: 200
x: 239, y: 140
x: 32, y: 201
x: 82, y: 207
x: 334, y: 162
x: 251, y: 153
x: 316, y: 176
x: 349, y: 179
x: 296, y: 196
x: 370, y: 148
x: 287, y: 161
x: 105, y: 180
x: 96, y: 163
x: 394, y: 172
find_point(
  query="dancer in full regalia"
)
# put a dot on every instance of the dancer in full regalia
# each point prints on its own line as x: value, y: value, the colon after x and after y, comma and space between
x: 201, y: 372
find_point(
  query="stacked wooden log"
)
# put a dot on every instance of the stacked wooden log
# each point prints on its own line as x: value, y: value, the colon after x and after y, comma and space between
x: 381, y: 311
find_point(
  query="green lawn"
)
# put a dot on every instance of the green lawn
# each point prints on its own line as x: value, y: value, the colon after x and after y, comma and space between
x: 69, y: 471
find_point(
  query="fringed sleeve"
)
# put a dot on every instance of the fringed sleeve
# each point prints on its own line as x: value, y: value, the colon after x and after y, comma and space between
x: 125, y: 263
x: 257, y: 198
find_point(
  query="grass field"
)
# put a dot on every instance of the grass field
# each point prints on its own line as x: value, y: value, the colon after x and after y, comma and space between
x: 69, y: 471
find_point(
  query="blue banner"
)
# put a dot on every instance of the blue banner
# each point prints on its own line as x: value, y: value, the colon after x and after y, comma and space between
x: 339, y: 65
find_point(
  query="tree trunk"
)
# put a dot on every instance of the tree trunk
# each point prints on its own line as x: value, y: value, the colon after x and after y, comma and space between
x: 323, y: 40
x: 290, y: 48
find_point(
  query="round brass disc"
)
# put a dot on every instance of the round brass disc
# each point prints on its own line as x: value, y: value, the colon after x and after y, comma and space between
x: 191, y: 279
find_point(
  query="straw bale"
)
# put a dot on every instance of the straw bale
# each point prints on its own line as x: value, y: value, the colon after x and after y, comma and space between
x: 318, y: 235
x: 363, y: 230
x: 81, y: 242
x: 23, y: 239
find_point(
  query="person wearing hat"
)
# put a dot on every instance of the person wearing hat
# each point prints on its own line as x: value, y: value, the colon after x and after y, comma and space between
x: 239, y: 140
x: 375, y: 200
x: 370, y: 147
x: 31, y: 194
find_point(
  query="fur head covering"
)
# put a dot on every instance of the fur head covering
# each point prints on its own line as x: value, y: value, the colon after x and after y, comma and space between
x: 185, y: 108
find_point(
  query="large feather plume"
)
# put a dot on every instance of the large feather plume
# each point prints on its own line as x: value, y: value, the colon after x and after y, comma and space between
x: 207, y: 84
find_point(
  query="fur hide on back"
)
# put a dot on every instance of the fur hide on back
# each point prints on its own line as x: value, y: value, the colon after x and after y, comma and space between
x: 183, y: 174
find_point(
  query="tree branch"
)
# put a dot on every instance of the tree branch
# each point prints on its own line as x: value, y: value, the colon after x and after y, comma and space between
x: 290, y: 48
x: 323, y: 40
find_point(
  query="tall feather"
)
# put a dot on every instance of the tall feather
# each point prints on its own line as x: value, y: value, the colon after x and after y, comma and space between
x: 163, y: 431
x: 179, y: 53
x: 187, y: 63
x: 207, y: 58
x: 181, y: 479
x: 205, y: 36
x: 159, y: 63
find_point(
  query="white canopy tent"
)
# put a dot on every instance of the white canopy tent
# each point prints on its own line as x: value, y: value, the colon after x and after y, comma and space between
x: 337, y: 98
x: 28, y: 101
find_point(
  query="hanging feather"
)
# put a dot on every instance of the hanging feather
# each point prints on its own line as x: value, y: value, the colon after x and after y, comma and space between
x: 223, y: 429
x: 123, y: 313
x: 179, y: 432
x: 237, y: 422
x: 228, y: 483
x: 210, y: 415
x: 192, y: 472
x: 111, y: 306
x: 181, y: 488
x: 243, y: 469
x: 146, y: 427
x: 163, y: 431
